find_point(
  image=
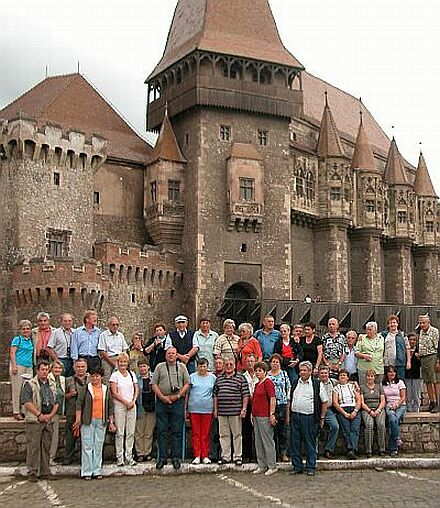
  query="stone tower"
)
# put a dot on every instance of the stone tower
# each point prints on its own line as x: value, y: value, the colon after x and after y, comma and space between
x: 366, y: 247
x: 229, y: 84
x: 335, y: 202
x: 400, y: 227
x: 426, y: 254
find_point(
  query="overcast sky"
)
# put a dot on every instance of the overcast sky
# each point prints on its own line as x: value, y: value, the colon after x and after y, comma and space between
x: 385, y: 51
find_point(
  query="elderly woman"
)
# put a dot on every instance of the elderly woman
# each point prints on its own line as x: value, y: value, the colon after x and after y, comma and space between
x: 298, y: 332
x: 281, y: 381
x: 373, y: 414
x: 395, y: 408
x: 199, y: 403
x: 136, y: 352
x: 369, y: 351
x: 125, y: 391
x: 94, y: 411
x: 227, y: 343
x: 55, y: 374
x: 247, y: 344
x: 290, y: 351
x: 21, y: 354
x: 263, y: 418
x: 347, y: 404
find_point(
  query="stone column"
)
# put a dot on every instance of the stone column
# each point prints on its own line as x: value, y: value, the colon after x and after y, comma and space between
x: 426, y: 275
x: 398, y: 271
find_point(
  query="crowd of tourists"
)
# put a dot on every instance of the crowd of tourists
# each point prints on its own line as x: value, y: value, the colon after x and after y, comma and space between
x: 249, y: 396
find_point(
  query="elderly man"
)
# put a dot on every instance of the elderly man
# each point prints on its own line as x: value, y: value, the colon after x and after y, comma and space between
x: 334, y: 348
x: 267, y: 336
x: 73, y: 385
x: 111, y: 344
x: 39, y: 400
x: 428, y: 348
x: 330, y: 416
x: 170, y: 383
x: 306, y: 413
x: 85, y: 341
x: 205, y: 339
x: 350, y: 362
x: 186, y: 345
x: 59, y: 344
x: 40, y: 336
x: 231, y: 396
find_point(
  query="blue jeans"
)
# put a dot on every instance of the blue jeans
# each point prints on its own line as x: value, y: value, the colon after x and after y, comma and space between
x: 169, y: 417
x: 303, y: 431
x: 350, y: 429
x: 293, y: 374
x: 333, y: 425
x: 67, y: 367
x: 394, y: 419
x: 92, y: 443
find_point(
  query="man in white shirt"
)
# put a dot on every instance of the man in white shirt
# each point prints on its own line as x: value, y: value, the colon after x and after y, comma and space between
x: 111, y: 344
x: 306, y: 413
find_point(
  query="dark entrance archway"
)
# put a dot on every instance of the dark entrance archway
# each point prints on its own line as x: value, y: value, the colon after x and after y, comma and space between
x: 241, y: 303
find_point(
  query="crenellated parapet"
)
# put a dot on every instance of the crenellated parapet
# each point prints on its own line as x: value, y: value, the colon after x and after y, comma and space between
x: 50, y: 145
x: 129, y: 264
x: 58, y: 284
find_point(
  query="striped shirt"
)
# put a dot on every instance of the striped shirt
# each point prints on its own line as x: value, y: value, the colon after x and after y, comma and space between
x: 231, y: 392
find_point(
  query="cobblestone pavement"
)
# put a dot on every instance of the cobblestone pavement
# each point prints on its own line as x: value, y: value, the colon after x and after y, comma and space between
x: 389, y: 488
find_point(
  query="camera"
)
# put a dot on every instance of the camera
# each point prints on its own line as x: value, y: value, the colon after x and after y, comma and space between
x: 46, y: 408
x: 175, y: 390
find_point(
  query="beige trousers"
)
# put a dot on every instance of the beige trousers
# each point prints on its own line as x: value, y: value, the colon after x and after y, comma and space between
x: 16, y: 382
x: 230, y: 425
x: 143, y: 435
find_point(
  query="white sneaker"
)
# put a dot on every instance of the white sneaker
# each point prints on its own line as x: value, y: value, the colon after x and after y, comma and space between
x: 206, y: 460
x: 258, y: 471
x: 196, y: 461
x: 270, y: 471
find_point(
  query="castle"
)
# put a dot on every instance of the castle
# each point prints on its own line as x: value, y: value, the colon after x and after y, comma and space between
x: 265, y: 183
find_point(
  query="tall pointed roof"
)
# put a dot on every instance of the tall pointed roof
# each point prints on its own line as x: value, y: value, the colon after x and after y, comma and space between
x: 244, y: 28
x: 329, y: 142
x: 166, y: 147
x: 423, y: 184
x: 71, y: 102
x: 394, y: 170
x: 363, y: 157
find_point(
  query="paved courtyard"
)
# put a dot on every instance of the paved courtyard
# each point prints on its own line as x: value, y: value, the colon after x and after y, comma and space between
x: 388, y: 488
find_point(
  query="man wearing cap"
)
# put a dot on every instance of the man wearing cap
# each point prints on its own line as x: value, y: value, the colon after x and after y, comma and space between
x: 185, y: 343
x: 306, y: 413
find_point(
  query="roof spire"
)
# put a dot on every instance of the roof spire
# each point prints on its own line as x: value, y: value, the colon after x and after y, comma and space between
x: 329, y: 142
x: 167, y: 147
x: 423, y: 184
x: 363, y: 157
x: 394, y: 169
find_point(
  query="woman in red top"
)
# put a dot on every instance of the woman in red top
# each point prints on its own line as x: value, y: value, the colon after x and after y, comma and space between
x: 290, y: 351
x: 247, y: 345
x: 263, y: 418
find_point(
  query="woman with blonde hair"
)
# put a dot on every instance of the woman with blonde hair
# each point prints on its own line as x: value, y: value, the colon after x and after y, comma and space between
x: 21, y: 354
x: 124, y: 387
x: 55, y: 374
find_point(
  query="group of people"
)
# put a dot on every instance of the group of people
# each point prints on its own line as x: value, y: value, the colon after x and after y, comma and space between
x: 262, y: 395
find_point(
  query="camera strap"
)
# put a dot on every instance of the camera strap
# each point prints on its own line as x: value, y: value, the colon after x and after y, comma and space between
x: 169, y: 375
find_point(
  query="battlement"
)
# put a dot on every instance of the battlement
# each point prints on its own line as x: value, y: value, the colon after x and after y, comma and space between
x: 133, y: 265
x: 25, y: 139
x: 53, y: 283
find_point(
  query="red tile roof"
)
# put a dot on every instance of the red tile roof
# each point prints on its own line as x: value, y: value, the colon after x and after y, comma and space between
x: 233, y: 27
x: 71, y: 102
x: 329, y: 142
x: 423, y: 184
x: 394, y: 170
x: 363, y: 157
x: 166, y: 147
